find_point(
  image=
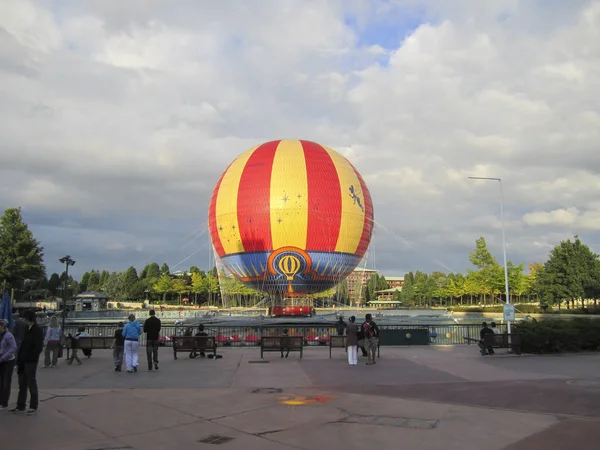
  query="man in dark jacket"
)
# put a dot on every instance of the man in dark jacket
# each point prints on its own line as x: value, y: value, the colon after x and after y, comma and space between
x: 482, y: 333
x: 152, y: 330
x: 27, y: 363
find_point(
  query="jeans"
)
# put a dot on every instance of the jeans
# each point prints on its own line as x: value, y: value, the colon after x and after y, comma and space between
x: 152, y: 353
x: 118, y: 356
x: 131, y: 354
x: 6, y: 372
x: 51, y: 348
x: 27, y: 380
x: 353, y: 355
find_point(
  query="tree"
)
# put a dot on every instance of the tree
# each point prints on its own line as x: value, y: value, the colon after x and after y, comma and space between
x: 54, y: 283
x: 104, y: 277
x: 163, y: 286
x: 129, y: 278
x: 94, y: 283
x: 164, y: 269
x: 489, y: 275
x: 113, y: 286
x: 83, y: 283
x: 570, y: 271
x: 153, y: 271
x: 21, y: 256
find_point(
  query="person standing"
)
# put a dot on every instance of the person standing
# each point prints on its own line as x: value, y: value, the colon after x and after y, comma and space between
x: 340, y: 326
x: 52, y: 343
x: 118, y: 347
x: 371, y: 336
x: 152, y: 330
x: 352, y: 341
x: 131, y: 333
x: 8, y: 350
x: 27, y: 363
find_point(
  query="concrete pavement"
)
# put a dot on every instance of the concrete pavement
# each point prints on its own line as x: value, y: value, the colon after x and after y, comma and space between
x: 414, y: 398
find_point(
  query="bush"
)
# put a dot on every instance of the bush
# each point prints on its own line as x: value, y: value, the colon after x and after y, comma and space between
x: 559, y: 335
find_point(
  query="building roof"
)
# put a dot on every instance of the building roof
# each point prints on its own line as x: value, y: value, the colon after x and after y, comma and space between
x: 358, y: 269
x: 89, y: 295
x: 394, y: 289
x: 393, y: 278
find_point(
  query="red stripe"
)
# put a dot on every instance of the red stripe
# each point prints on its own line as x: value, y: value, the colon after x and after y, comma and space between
x: 367, y: 232
x: 324, y: 199
x: 212, y: 219
x: 254, y: 199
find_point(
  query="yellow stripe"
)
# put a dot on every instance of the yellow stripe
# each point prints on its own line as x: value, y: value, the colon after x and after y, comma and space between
x: 289, y: 196
x: 226, y: 209
x: 352, y: 216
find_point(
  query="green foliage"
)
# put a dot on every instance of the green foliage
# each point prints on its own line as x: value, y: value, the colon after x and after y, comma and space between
x: 556, y: 335
x: 571, y: 273
x: 21, y: 256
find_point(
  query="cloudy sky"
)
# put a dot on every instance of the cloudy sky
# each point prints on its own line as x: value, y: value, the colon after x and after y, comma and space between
x: 117, y: 118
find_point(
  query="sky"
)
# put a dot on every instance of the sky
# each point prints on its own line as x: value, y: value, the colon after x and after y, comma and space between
x: 117, y: 119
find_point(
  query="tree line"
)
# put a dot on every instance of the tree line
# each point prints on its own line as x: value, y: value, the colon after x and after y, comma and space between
x: 570, y: 277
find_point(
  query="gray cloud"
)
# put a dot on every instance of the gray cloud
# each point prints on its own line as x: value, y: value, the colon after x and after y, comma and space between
x: 117, y: 119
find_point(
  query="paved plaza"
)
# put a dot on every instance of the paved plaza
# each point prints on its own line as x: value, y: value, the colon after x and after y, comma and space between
x: 438, y: 397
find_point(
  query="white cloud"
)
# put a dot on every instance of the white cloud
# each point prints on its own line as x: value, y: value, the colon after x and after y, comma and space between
x: 130, y: 111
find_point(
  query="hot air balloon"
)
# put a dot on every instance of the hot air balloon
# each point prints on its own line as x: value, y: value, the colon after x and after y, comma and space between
x: 290, y: 218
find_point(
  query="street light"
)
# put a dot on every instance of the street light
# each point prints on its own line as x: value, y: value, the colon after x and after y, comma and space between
x: 503, y: 238
x: 67, y: 261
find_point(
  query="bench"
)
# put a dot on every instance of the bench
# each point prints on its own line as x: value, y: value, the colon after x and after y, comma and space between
x: 509, y: 341
x: 471, y: 340
x: 86, y: 343
x: 281, y: 343
x: 337, y: 342
x: 194, y: 344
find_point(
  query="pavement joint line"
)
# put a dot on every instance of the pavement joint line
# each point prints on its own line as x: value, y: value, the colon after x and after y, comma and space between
x: 89, y: 426
x: 172, y: 427
x: 468, y: 405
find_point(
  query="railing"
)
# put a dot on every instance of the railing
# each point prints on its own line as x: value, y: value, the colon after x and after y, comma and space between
x: 240, y: 336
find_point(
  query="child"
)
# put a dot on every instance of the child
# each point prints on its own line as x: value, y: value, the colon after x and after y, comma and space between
x: 75, y: 345
x: 118, y: 347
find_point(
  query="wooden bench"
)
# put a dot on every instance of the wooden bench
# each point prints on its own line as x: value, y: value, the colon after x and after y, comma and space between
x: 281, y: 343
x: 194, y: 344
x: 509, y: 341
x: 89, y: 343
x: 337, y: 342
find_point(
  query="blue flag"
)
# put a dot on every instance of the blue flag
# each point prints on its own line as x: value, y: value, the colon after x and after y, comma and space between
x: 6, y: 311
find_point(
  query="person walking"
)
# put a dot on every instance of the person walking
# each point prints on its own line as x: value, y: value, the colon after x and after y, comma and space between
x: 352, y: 341
x: 27, y: 364
x: 75, y: 345
x: 8, y: 350
x: 371, y: 336
x: 131, y: 333
x: 118, y: 348
x: 152, y: 329
x: 52, y: 343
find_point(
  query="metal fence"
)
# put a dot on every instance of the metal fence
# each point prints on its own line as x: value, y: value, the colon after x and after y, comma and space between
x: 241, y: 336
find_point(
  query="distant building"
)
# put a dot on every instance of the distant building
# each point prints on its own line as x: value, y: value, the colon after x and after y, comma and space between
x: 394, y: 281
x: 357, y: 281
x: 90, y: 301
x: 387, y: 294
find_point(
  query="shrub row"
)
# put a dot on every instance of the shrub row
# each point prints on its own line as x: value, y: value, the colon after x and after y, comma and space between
x: 559, y: 335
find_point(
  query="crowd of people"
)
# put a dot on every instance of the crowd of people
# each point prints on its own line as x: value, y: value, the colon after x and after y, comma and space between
x: 365, y: 337
x: 23, y: 346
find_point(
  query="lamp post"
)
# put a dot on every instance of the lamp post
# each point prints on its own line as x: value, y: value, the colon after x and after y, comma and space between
x: 67, y: 261
x: 503, y: 238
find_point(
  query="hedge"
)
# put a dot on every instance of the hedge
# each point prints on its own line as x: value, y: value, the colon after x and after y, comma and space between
x: 559, y: 335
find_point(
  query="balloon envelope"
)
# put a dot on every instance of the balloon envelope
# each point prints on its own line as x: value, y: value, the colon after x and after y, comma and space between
x: 291, y: 216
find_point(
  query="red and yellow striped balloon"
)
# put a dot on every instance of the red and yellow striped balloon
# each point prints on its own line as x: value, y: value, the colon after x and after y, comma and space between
x: 291, y: 216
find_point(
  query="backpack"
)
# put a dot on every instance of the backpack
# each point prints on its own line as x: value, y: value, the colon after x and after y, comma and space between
x: 369, y: 330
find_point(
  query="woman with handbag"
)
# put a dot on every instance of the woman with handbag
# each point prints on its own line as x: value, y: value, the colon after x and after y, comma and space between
x: 52, y: 343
